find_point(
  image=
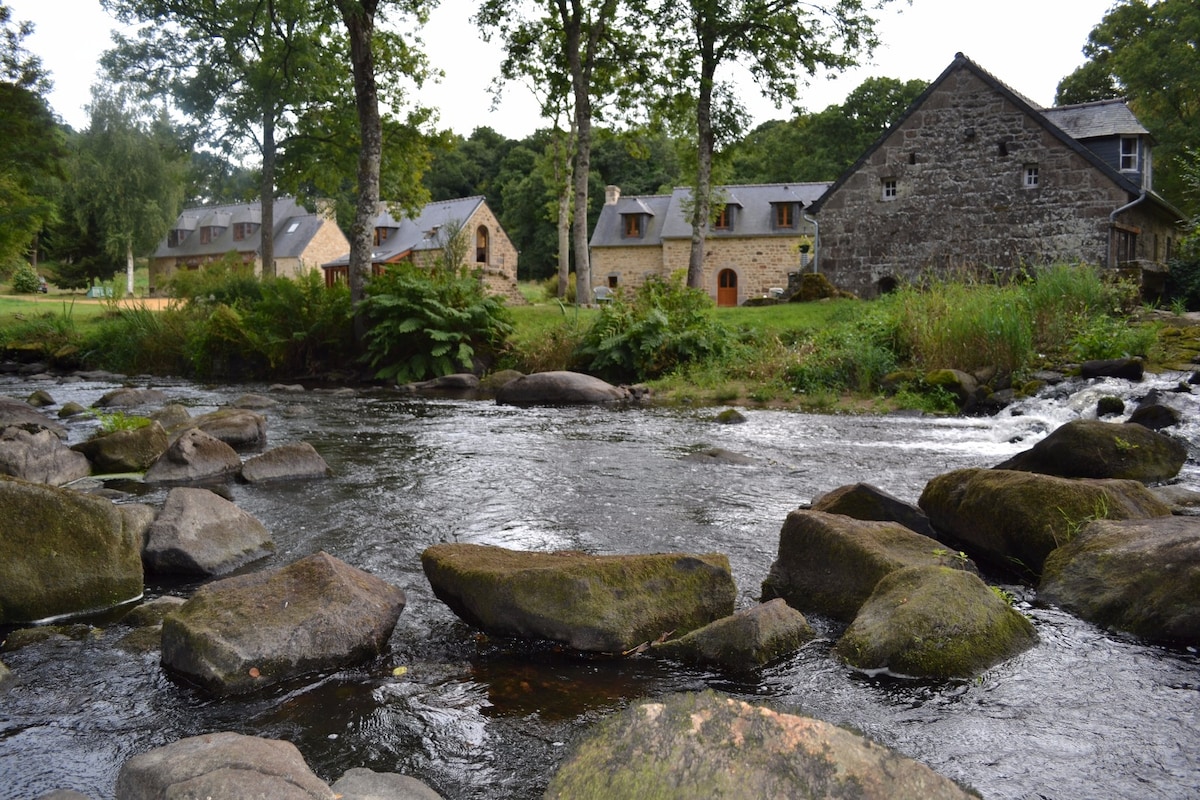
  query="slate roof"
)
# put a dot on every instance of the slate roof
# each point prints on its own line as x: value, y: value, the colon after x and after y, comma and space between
x: 295, y: 227
x: 1100, y: 118
x: 414, y: 235
x: 669, y: 219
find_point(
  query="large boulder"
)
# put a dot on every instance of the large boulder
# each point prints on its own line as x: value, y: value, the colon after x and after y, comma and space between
x: 240, y: 428
x: 62, y: 553
x: 1015, y: 519
x: 750, y: 638
x: 364, y: 784
x: 829, y: 563
x: 194, y: 456
x: 864, y: 501
x: 131, y: 397
x: 40, y: 456
x: 559, y: 388
x: 241, y: 633
x: 132, y: 450
x: 934, y: 622
x: 1090, y: 448
x: 200, y: 533
x: 18, y: 413
x: 708, y: 745
x: 1140, y: 576
x: 287, y: 462
x: 221, y: 765
x: 597, y: 603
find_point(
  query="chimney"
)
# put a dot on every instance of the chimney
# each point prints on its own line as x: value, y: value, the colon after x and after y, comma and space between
x: 611, y: 195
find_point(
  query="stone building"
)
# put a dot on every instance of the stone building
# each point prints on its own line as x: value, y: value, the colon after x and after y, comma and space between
x: 423, y: 240
x: 974, y: 178
x: 760, y: 233
x: 303, y: 240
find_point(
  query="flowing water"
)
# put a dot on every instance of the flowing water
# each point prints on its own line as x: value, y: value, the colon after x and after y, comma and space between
x: 1084, y: 714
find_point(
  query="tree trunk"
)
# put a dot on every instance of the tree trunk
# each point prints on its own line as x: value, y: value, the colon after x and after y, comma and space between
x: 702, y: 192
x: 267, y: 190
x: 562, y: 176
x: 129, y: 268
x: 359, y: 18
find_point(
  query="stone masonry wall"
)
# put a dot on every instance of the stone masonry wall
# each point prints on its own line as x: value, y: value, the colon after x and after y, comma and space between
x: 959, y: 165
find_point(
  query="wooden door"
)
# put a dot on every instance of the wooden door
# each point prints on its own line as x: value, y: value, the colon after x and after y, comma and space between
x: 727, y: 288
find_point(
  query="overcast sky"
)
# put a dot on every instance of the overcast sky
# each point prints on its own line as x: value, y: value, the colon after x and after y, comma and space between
x: 1028, y: 44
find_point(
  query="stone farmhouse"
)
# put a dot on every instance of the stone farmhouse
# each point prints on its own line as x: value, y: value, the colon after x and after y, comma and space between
x: 303, y: 240
x: 760, y: 233
x: 422, y: 240
x: 975, y: 178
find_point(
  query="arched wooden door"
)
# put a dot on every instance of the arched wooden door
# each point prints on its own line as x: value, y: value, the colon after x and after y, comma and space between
x: 727, y: 288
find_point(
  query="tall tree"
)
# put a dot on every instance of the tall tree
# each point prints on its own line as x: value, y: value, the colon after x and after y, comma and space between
x: 18, y: 66
x: 774, y: 40
x: 1149, y: 53
x: 128, y: 178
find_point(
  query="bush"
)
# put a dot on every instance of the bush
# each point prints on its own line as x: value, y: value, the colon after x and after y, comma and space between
x: 25, y: 279
x: 666, y: 325
x: 428, y: 323
x: 228, y: 280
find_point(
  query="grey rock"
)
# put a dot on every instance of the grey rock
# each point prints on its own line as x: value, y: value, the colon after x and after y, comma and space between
x: 129, y: 397
x: 1094, y: 449
x: 40, y: 456
x: 132, y: 450
x: 194, y: 456
x: 364, y: 784
x: 559, y: 388
x: 749, y: 638
x: 199, y: 533
x: 294, y: 461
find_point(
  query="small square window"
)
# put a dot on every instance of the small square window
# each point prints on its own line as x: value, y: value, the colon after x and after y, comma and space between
x: 890, y: 189
x: 1031, y: 176
x: 633, y: 226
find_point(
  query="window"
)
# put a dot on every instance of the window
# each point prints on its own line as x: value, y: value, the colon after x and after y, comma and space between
x: 176, y: 236
x: 890, y: 190
x: 481, y: 245
x: 1129, y: 154
x: 381, y: 236
x: 244, y: 230
x: 785, y: 215
x: 1126, y: 245
x: 1031, y: 176
x: 722, y: 221
x: 633, y: 226
x: 292, y: 228
x: 210, y: 233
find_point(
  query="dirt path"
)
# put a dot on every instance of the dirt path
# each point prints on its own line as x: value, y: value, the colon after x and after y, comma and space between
x: 153, y: 303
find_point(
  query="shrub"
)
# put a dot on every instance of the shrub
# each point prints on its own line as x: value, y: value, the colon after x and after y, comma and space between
x: 136, y: 339
x: 302, y: 326
x: 429, y: 323
x: 25, y: 279
x: 227, y: 280
x: 664, y: 326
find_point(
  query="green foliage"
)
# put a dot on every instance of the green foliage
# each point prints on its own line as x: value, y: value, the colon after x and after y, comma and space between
x: 227, y: 280
x: 303, y: 326
x: 1104, y: 337
x: 32, y: 158
x: 429, y: 323
x: 851, y: 357
x: 111, y: 422
x: 25, y: 279
x: 136, y: 339
x: 664, y: 326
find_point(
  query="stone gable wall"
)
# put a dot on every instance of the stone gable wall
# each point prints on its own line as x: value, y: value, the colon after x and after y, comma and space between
x: 959, y: 163
x: 328, y: 243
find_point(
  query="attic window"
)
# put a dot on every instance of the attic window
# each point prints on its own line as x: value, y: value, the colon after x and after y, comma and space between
x: 292, y: 228
x: 1129, y: 154
x: 1031, y: 176
x: 724, y: 219
x: 210, y: 233
x: 785, y: 215
x: 176, y: 236
x: 632, y: 227
x: 243, y: 230
x: 889, y: 189
x: 381, y: 235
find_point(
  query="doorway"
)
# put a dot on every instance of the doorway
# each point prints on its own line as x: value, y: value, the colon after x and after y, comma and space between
x: 727, y: 288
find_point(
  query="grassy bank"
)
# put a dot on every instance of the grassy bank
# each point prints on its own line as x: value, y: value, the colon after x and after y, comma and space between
x: 825, y: 355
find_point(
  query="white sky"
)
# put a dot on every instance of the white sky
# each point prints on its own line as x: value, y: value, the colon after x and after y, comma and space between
x: 1028, y: 44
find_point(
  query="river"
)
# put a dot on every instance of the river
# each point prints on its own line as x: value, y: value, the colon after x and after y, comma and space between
x: 1084, y: 714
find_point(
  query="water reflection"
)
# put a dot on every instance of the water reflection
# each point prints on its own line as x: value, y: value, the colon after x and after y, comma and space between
x: 1084, y: 714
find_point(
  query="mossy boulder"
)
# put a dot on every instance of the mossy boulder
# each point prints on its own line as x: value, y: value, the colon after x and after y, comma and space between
x: 202, y: 534
x: 934, y: 622
x: 829, y: 563
x: 750, y: 638
x: 1015, y: 519
x: 1089, y: 448
x: 132, y: 450
x: 63, y: 553
x: 958, y: 383
x: 864, y: 501
x: 708, y: 745
x: 242, y: 633
x: 602, y: 603
x: 1140, y: 576
x: 814, y: 286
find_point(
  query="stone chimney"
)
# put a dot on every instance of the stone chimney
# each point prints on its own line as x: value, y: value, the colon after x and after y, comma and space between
x: 611, y: 195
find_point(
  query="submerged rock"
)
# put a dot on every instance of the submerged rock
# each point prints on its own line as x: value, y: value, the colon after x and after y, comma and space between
x: 934, y: 622
x: 1140, y: 576
x: 829, y: 563
x: 598, y: 603
x: 559, y: 388
x: 63, y: 553
x: 709, y: 745
x: 1015, y: 519
x: 242, y: 633
x: 1089, y: 448
x: 199, y: 533
x: 750, y: 638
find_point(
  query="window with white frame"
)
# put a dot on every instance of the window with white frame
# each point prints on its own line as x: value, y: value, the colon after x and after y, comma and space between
x: 1031, y: 176
x: 889, y: 189
x: 1129, y: 154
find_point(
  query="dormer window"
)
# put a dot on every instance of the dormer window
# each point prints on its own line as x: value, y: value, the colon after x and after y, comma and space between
x: 176, y: 236
x: 382, y: 235
x: 244, y: 230
x: 784, y: 215
x: 1129, y: 154
x: 210, y: 233
x: 633, y: 226
x: 724, y: 219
